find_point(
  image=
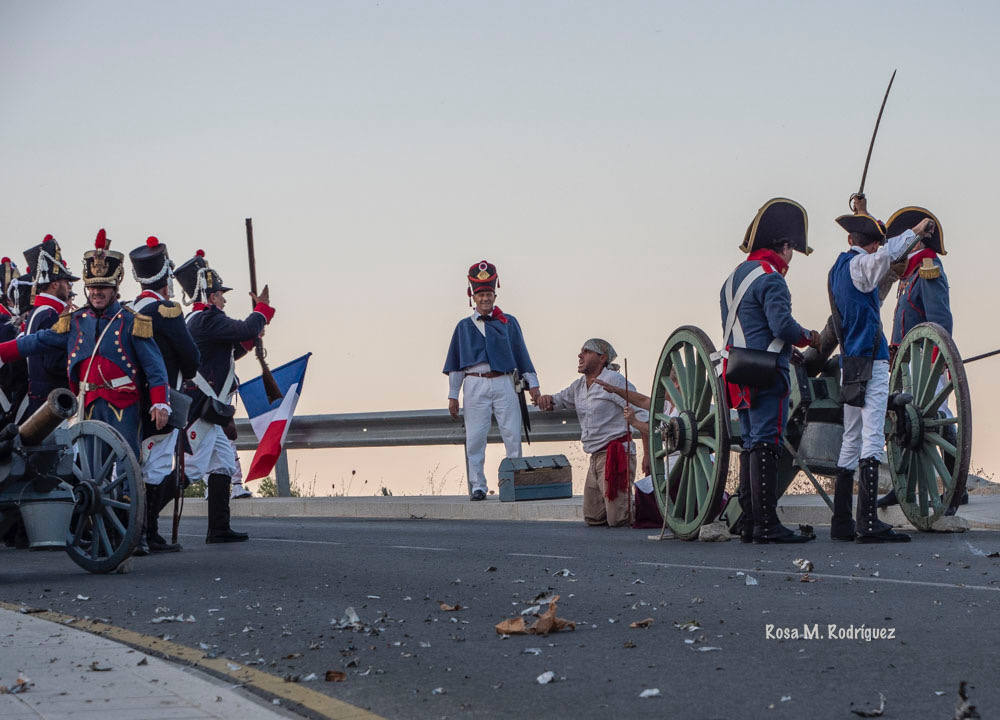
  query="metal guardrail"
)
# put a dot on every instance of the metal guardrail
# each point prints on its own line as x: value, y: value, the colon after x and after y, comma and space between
x: 395, y: 429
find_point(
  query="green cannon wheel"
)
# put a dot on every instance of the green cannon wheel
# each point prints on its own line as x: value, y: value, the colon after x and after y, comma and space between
x: 929, y: 424
x: 109, y: 496
x: 689, y: 485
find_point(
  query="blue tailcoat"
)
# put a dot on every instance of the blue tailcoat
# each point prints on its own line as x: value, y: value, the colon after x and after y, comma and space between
x: 920, y: 300
x: 45, y: 372
x: 502, y: 347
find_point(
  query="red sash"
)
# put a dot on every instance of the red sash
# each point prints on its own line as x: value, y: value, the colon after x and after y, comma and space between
x: 616, y: 467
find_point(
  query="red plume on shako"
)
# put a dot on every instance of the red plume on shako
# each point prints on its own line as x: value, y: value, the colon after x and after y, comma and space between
x: 152, y: 241
x: 151, y: 266
x: 103, y: 266
x: 198, y: 280
x: 101, y: 243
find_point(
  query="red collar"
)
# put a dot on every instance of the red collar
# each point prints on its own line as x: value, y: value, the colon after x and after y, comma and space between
x: 55, y: 303
x: 150, y: 294
x: 914, y: 261
x: 4, y: 311
x: 200, y: 306
x: 769, y: 259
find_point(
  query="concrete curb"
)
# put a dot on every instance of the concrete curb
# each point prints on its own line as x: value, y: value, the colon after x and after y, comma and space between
x: 982, y: 514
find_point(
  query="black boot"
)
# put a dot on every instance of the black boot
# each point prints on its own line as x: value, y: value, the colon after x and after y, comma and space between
x: 886, y: 500
x: 764, y: 497
x: 218, y: 512
x: 744, y: 498
x: 154, y: 504
x: 842, y: 524
x: 869, y: 528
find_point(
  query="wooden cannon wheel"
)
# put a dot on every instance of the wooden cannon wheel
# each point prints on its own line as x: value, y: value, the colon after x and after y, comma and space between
x: 110, y: 498
x: 689, y: 492
x: 929, y: 448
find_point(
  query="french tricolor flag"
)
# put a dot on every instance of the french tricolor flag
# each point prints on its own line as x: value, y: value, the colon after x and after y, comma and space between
x: 270, y: 421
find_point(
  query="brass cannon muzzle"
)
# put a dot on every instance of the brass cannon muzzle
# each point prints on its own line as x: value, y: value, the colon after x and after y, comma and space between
x: 60, y: 405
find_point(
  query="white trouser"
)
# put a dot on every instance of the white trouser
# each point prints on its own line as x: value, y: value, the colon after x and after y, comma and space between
x: 212, y: 452
x: 864, y: 427
x: 482, y: 398
x: 157, y: 457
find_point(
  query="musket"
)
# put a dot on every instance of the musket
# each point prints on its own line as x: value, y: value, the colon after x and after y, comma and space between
x: 519, y: 386
x: 628, y: 433
x: 270, y: 384
x: 860, y: 194
x: 179, y: 487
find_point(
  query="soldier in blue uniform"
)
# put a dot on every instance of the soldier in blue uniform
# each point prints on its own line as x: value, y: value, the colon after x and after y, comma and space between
x: 13, y: 377
x: 486, y: 350
x: 757, y: 316
x: 853, y: 287
x: 153, y: 270
x: 923, y: 296
x: 112, y: 358
x: 50, y: 295
x: 221, y: 341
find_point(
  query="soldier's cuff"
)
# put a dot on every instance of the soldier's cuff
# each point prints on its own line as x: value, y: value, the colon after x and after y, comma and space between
x: 266, y: 310
x: 247, y: 345
x: 9, y: 351
x: 161, y: 406
x: 803, y: 341
x: 158, y: 396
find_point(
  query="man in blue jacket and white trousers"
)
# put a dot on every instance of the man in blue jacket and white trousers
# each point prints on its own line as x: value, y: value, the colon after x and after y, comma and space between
x: 486, y: 348
x: 853, y: 283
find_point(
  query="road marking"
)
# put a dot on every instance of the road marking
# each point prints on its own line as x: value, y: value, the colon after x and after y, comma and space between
x: 317, y: 702
x: 828, y: 576
x: 418, y: 547
x: 555, y: 557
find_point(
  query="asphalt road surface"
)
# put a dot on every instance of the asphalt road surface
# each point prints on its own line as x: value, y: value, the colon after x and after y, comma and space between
x: 911, y: 621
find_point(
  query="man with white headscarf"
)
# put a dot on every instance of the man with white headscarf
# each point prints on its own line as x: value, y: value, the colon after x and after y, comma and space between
x: 605, y: 435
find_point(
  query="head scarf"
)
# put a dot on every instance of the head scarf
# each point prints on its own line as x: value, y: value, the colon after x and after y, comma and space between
x: 602, y: 347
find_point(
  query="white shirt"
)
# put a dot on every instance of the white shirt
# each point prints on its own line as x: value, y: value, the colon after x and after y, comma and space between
x: 455, y: 377
x: 599, y: 411
x: 868, y: 269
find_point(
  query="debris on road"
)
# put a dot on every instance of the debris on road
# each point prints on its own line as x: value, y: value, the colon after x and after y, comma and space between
x: 449, y: 608
x: 22, y: 684
x: 83, y: 597
x: 531, y: 651
x: 808, y: 578
x: 179, y: 617
x: 438, y: 691
x: 963, y: 710
x: 877, y: 712
x: 546, y: 623
x: 751, y: 580
x: 97, y: 667
x: 950, y: 524
x: 714, y: 532
x: 689, y: 625
x: 650, y: 692
x: 335, y: 676
x: 645, y: 623
x: 545, y: 678
x: 565, y: 572
x: 803, y: 565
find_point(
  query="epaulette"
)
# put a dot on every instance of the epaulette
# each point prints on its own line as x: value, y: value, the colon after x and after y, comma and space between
x: 170, y: 309
x: 928, y: 270
x: 142, y: 326
x: 62, y: 324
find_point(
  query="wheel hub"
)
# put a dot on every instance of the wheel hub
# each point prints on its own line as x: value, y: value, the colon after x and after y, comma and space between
x: 87, y: 496
x: 909, y: 426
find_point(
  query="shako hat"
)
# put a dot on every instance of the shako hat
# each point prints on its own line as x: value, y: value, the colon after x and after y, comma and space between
x: 19, y: 293
x: 908, y: 217
x: 8, y: 275
x: 46, y: 262
x: 778, y: 221
x: 102, y: 266
x: 864, y: 225
x: 483, y: 276
x: 198, y: 280
x: 151, y: 265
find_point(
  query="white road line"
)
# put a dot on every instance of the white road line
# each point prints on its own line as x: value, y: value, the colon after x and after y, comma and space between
x: 556, y: 557
x: 923, y: 583
x: 418, y: 547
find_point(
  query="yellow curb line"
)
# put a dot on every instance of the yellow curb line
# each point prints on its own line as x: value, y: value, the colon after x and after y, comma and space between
x: 325, y: 705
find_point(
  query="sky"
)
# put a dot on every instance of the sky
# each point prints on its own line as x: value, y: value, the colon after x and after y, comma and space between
x: 606, y: 156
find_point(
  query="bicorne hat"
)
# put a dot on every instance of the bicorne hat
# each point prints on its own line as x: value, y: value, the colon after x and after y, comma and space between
x: 865, y: 225
x: 778, y: 221
x: 46, y: 262
x: 908, y: 217
x: 102, y: 266
x: 151, y: 265
x: 483, y: 276
x: 198, y: 280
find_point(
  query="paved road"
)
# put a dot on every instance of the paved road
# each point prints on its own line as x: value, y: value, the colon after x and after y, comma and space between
x: 274, y: 599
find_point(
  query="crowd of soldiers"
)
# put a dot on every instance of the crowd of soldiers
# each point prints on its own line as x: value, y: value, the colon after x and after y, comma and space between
x: 488, y: 353
x: 140, y: 366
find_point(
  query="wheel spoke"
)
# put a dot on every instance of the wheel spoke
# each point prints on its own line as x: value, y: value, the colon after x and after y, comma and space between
x: 108, y: 502
x: 708, y: 420
x: 942, y: 470
x: 703, y: 487
x: 672, y: 391
x: 930, y: 382
x: 662, y: 417
x: 110, y: 516
x: 84, y: 463
x: 933, y: 492
x: 941, y: 443
x: 931, y: 408
x: 105, y: 468
x: 81, y: 525
x: 940, y: 422
x: 922, y: 489
x: 682, y: 379
x: 704, y: 377
x: 102, y: 534
x: 691, y: 483
x: 709, y: 442
x: 661, y: 453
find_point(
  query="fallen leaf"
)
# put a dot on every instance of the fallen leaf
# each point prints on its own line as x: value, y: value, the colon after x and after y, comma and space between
x: 808, y: 578
x: 650, y: 692
x: 641, y: 623
x: 513, y: 626
x: 546, y: 623
x: 873, y: 713
x: 449, y: 608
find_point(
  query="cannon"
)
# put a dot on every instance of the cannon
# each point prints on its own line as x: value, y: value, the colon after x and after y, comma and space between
x: 76, y: 488
x: 928, y: 450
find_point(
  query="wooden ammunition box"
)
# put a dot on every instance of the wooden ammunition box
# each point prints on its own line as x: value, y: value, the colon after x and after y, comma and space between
x: 543, y: 477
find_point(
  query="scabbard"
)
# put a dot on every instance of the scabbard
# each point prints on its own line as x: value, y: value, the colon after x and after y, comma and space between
x: 525, y: 420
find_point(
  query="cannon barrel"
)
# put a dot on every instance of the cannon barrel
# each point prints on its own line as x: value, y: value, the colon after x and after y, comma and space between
x: 58, y: 406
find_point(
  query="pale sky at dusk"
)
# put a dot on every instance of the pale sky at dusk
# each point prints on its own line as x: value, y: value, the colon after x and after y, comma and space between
x: 606, y: 156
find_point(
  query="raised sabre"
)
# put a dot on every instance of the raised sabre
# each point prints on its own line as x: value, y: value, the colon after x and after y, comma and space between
x: 860, y: 194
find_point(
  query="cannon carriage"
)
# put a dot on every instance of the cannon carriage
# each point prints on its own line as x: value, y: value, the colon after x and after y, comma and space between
x: 928, y: 449
x: 76, y: 488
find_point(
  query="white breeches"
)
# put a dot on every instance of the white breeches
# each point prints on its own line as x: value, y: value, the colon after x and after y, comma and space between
x: 864, y: 427
x: 212, y: 452
x: 481, y: 399
x: 157, y: 457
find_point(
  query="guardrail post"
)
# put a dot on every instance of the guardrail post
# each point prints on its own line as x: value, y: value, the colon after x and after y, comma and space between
x: 281, y: 476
